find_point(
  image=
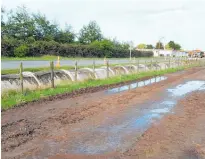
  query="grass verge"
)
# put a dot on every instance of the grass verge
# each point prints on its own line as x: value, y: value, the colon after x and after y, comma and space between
x: 16, y: 71
x: 41, y: 58
x: 54, y: 58
x: 13, y: 98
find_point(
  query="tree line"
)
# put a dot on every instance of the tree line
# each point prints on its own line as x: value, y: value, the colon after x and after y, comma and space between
x: 171, y: 45
x: 32, y: 34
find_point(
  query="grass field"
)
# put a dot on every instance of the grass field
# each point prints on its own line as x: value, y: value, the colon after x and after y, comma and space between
x: 51, y: 58
x: 54, y: 58
x: 40, y: 58
x: 16, y: 71
x: 12, y: 98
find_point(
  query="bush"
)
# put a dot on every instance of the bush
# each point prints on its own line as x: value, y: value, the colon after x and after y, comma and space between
x: 7, y: 46
x: 21, y: 51
x: 96, y: 49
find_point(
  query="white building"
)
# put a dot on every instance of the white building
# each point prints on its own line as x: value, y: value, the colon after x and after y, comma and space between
x: 180, y: 54
x: 160, y: 52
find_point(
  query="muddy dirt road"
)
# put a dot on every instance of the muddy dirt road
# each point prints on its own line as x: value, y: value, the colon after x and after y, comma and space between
x: 159, y: 120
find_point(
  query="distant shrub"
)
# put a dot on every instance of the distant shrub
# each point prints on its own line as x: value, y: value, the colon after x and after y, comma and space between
x: 8, y: 45
x: 21, y: 51
x: 96, y: 49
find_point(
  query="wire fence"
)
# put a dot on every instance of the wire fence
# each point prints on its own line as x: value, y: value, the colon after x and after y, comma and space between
x: 109, y: 68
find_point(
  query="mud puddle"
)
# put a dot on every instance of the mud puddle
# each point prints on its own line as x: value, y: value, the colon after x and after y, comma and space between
x: 135, y: 85
x: 119, y: 132
x: 113, y: 133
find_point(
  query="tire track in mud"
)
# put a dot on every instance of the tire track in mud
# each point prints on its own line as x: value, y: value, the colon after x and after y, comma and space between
x: 23, y: 130
x: 178, y: 135
x: 17, y: 133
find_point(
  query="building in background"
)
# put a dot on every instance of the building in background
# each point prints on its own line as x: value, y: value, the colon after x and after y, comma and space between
x: 166, y: 53
x: 196, y: 53
x: 176, y: 53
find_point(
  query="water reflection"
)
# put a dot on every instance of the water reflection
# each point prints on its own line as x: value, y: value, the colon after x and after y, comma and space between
x: 136, y: 85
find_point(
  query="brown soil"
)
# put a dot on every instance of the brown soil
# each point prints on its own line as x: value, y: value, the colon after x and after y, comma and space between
x: 177, y: 136
x: 46, y: 129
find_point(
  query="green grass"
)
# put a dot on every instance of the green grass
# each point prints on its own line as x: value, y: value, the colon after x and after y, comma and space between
x: 41, y: 58
x: 54, y: 58
x: 49, y: 58
x: 35, y: 69
x: 12, y: 98
x: 16, y: 71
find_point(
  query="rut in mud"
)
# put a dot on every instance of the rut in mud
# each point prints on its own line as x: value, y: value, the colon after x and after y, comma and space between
x: 108, y: 123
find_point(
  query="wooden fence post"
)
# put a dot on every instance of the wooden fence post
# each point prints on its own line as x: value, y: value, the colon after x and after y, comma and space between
x: 21, y: 76
x: 181, y: 61
x: 94, y: 68
x: 76, y: 71
x: 169, y: 63
x: 187, y: 61
x: 178, y: 62
x: 52, y: 74
x: 159, y: 67
x: 145, y: 63
x: 156, y: 66
x: 107, y: 63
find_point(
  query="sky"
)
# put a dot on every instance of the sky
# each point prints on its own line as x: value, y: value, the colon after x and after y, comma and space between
x: 140, y: 21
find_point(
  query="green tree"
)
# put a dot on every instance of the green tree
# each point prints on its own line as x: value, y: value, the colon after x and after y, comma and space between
x: 65, y: 36
x: 3, y: 24
x: 171, y: 44
x: 31, y: 34
x: 120, y: 45
x: 167, y: 47
x: 44, y: 29
x: 159, y: 45
x: 141, y: 46
x: 177, y: 47
x: 21, y: 51
x: 20, y: 24
x: 150, y: 46
x: 106, y: 46
x: 90, y: 33
x: 174, y: 45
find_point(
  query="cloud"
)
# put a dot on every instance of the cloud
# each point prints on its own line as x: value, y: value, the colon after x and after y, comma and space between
x: 137, y: 20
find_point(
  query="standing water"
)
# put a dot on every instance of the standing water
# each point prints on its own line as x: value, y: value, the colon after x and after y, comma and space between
x: 113, y: 132
x: 136, y: 85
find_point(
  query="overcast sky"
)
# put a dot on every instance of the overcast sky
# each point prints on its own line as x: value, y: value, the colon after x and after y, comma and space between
x: 142, y: 21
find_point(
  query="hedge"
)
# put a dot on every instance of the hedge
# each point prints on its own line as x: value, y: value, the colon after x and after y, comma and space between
x: 39, y: 48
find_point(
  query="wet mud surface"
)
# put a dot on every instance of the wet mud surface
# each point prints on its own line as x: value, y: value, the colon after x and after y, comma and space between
x: 158, y: 120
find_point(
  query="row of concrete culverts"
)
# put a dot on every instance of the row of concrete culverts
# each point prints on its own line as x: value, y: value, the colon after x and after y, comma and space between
x: 43, y: 78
